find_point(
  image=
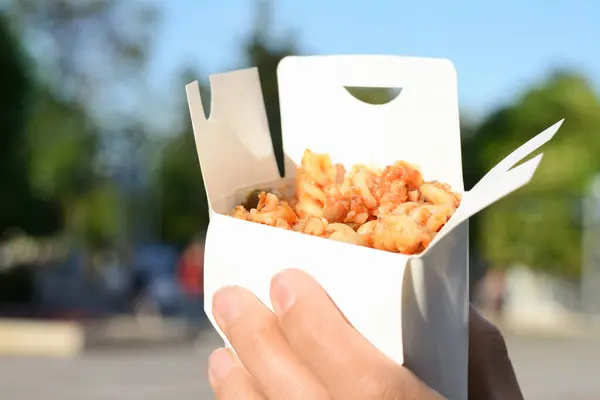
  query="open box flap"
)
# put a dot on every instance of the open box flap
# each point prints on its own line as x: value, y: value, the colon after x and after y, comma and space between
x: 421, y: 125
x: 500, y: 181
x: 234, y: 145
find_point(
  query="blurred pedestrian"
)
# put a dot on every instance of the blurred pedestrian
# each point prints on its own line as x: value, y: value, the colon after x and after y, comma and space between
x: 494, y: 288
x: 190, y: 274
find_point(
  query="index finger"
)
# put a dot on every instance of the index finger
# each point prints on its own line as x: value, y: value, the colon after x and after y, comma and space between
x: 254, y: 333
x: 345, y: 361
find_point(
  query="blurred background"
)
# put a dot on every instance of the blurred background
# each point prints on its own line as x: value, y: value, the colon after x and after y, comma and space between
x: 103, y: 209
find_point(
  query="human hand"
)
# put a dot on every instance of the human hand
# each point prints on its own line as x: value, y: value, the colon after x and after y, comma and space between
x: 305, y: 350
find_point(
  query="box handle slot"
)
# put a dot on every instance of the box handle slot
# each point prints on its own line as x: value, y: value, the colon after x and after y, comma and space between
x: 374, y: 95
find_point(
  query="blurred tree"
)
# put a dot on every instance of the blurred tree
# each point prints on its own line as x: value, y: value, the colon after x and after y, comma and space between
x: 539, y: 225
x: 183, y: 206
x: 86, y: 48
x: 183, y: 202
x: 263, y: 51
x: 62, y: 143
x: 18, y: 205
x: 182, y: 197
x: 94, y: 216
x: 86, y: 51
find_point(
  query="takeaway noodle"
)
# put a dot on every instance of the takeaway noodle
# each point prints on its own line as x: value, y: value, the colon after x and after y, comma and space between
x: 392, y: 209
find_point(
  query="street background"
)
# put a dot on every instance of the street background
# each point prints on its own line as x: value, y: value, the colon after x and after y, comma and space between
x: 102, y: 204
x: 549, y: 368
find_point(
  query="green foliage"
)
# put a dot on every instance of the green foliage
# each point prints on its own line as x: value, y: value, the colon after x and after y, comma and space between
x: 266, y: 55
x: 183, y: 202
x: 55, y: 122
x: 62, y: 144
x: 19, y: 207
x: 538, y: 225
x: 16, y: 82
x: 178, y: 183
x: 94, y: 216
x: 98, y: 43
x: 57, y: 131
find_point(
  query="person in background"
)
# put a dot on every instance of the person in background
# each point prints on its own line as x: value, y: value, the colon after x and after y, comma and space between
x: 494, y: 290
x: 190, y: 274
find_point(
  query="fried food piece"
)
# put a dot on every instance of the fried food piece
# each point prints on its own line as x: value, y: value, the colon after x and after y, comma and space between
x: 312, y: 226
x: 345, y: 206
x: 431, y: 215
x: 440, y: 194
x: 397, y: 183
x: 366, y: 232
x: 400, y: 234
x: 314, y: 176
x: 269, y: 211
x: 437, y: 217
x: 366, y: 183
x: 344, y: 233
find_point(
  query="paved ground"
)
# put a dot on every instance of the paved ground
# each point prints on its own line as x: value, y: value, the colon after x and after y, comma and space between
x: 552, y: 369
x: 548, y: 368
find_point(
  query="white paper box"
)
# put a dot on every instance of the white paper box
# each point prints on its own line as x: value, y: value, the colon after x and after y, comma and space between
x: 413, y: 308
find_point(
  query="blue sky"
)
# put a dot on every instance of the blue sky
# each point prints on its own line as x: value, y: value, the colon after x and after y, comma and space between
x: 499, y: 47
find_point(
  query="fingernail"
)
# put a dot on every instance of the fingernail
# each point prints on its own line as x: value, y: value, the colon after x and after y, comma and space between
x: 220, y: 363
x: 226, y: 306
x: 283, y: 295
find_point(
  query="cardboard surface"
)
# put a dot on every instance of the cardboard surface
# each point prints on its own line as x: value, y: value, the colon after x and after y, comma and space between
x: 317, y: 112
x: 413, y: 308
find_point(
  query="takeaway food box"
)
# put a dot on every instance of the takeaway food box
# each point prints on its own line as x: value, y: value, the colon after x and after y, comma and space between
x: 411, y: 302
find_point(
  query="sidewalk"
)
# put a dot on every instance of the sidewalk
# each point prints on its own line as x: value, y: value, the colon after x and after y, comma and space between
x: 32, y: 338
x: 135, y: 332
x: 69, y: 339
x: 573, y: 326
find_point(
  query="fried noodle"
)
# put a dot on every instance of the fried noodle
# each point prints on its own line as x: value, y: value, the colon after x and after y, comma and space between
x: 392, y: 209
